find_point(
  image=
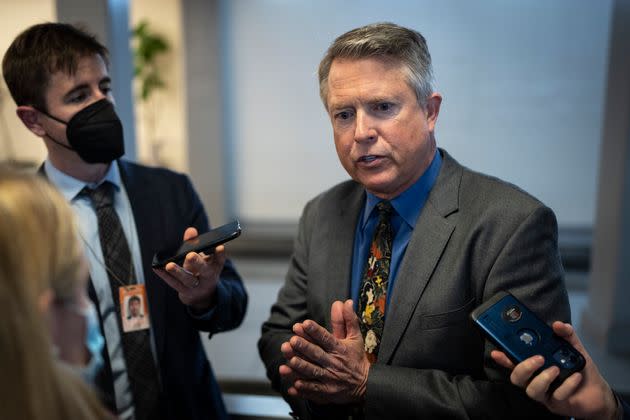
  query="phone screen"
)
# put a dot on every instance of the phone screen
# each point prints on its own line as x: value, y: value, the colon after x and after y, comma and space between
x: 205, y: 243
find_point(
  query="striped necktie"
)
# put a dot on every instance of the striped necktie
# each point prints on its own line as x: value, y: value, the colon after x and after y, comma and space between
x: 141, y: 369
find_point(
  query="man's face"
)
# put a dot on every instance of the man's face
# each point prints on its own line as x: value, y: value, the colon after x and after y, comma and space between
x: 384, y: 138
x: 134, y: 307
x: 68, y: 94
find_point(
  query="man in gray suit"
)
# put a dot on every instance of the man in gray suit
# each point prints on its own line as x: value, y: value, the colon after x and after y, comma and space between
x: 373, y: 320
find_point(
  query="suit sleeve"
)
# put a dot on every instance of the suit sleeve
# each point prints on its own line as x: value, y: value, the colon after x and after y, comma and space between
x: 231, y: 302
x: 529, y: 266
x: 290, y: 307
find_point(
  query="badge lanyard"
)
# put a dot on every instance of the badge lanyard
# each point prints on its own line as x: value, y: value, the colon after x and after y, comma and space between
x: 132, y: 298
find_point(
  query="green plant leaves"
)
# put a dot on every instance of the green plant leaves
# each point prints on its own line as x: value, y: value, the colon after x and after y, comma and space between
x: 148, y: 45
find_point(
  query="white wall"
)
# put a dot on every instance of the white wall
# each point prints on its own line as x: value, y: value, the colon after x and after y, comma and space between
x: 522, y: 83
x: 15, y: 16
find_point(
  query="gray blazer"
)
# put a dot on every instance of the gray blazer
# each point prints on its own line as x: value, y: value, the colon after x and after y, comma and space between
x: 476, y: 235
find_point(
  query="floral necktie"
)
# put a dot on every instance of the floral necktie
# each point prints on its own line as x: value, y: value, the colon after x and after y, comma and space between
x: 373, y: 292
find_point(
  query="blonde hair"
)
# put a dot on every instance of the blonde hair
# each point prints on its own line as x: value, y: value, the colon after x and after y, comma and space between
x: 38, y: 249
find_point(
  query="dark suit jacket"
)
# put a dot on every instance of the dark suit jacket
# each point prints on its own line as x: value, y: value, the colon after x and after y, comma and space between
x: 164, y: 204
x: 476, y: 235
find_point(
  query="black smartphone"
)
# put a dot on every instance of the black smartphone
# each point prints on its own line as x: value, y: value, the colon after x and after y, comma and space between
x: 206, y: 242
x: 520, y: 334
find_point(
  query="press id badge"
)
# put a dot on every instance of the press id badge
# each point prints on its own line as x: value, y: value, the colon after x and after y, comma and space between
x: 134, y: 309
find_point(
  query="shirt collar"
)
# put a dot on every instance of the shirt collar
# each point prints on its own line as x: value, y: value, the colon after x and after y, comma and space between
x: 70, y: 187
x: 410, y: 202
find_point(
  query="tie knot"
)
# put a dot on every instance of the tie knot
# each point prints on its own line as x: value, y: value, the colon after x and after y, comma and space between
x: 101, y: 196
x: 384, y: 209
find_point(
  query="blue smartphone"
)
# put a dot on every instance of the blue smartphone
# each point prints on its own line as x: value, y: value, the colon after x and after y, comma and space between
x: 520, y: 334
x: 206, y: 242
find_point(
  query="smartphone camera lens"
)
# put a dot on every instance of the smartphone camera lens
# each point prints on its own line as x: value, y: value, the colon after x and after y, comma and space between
x: 512, y: 313
x: 565, y: 358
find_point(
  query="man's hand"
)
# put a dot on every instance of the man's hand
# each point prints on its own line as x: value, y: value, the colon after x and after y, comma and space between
x: 584, y: 394
x: 327, y: 367
x: 196, y: 281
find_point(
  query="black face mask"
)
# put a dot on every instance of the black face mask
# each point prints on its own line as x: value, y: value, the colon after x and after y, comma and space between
x: 95, y: 133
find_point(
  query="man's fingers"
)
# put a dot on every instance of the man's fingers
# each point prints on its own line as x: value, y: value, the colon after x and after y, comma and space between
x: 200, y: 264
x: 523, y: 371
x: 216, y: 257
x: 287, y: 374
x: 185, y: 277
x: 287, y: 350
x: 285, y: 371
x: 200, y: 273
x: 204, y: 265
x: 337, y: 320
x: 170, y: 280
x: 293, y: 392
x: 539, y: 385
x: 501, y: 359
x: 567, y: 332
x: 190, y: 233
x: 568, y: 387
x: 220, y: 255
x: 298, y: 329
x: 311, y: 390
x: 562, y: 329
x: 305, y: 369
x: 308, y: 350
x: 351, y: 319
x: 320, y: 336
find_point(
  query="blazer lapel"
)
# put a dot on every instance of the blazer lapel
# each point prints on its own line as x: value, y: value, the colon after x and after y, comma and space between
x: 142, y: 200
x: 341, y: 233
x: 429, y: 238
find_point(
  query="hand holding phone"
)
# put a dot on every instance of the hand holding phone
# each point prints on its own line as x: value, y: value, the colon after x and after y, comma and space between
x: 205, y: 243
x: 520, y: 334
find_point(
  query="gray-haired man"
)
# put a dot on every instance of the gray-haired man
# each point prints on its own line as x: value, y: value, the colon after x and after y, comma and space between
x: 399, y: 256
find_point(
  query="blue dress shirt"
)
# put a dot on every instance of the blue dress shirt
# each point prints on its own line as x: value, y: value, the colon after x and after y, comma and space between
x: 407, y: 208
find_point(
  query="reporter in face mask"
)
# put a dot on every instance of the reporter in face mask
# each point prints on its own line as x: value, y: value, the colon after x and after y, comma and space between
x: 58, y: 76
x: 41, y: 265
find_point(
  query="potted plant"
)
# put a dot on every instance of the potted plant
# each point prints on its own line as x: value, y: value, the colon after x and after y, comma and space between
x: 148, y: 46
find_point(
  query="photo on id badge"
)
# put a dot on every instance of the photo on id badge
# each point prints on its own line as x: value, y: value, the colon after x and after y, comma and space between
x: 134, y: 313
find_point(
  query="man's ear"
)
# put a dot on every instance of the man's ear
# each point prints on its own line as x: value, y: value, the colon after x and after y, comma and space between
x: 433, y: 109
x: 31, y: 117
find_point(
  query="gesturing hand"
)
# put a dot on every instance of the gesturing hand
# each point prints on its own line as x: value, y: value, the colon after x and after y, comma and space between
x: 327, y: 367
